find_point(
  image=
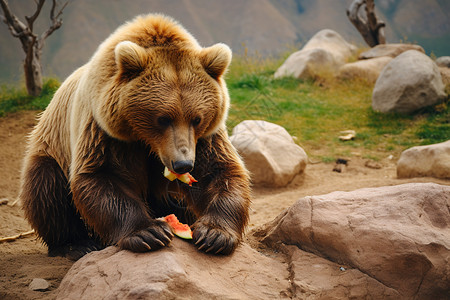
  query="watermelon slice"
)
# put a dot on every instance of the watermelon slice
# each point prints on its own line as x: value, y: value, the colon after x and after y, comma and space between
x: 179, y: 229
x: 186, y: 177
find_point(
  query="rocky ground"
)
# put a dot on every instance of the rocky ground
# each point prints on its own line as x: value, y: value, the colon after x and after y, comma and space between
x: 25, y: 258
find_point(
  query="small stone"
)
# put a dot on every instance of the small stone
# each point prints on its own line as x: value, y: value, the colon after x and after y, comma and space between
x: 340, y: 165
x: 372, y: 164
x: 39, y: 284
x: 347, y: 135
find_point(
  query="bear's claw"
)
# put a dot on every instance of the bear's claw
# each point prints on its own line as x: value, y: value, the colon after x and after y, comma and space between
x: 154, y: 237
x: 213, y: 240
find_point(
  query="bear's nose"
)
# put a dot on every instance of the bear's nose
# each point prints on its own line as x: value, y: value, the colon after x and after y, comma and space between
x: 182, y: 166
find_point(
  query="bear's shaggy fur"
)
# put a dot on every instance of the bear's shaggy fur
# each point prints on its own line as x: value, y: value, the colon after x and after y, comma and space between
x: 150, y: 97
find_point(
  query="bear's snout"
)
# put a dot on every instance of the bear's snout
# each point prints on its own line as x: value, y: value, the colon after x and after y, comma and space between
x: 182, y: 166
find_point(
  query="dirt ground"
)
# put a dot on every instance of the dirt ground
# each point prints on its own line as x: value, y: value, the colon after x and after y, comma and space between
x: 26, y: 258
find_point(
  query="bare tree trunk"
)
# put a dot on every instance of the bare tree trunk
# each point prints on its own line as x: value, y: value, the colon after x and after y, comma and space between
x: 33, y: 70
x: 370, y: 28
x: 31, y: 43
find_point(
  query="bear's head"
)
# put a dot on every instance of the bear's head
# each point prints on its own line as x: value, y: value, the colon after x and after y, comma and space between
x: 167, y: 97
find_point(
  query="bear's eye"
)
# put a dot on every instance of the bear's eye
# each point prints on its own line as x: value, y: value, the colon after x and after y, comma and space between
x: 164, y: 121
x: 196, y: 121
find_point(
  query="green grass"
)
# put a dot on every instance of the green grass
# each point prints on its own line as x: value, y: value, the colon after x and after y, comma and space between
x: 13, y: 98
x: 316, y: 111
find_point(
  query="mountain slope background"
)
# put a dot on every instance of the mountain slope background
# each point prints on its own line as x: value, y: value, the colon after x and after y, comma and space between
x: 256, y: 27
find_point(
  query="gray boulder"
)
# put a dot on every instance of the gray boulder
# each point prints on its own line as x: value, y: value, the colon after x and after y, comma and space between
x: 391, y: 50
x: 332, y: 42
x: 443, y: 61
x: 445, y: 74
x: 368, y: 69
x: 429, y: 160
x: 306, y: 64
x: 269, y: 152
x: 407, y: 83
x: 325, y: 52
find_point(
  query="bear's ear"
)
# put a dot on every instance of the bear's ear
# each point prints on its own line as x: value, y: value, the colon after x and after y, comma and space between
x: 131, y: 58
x: 215, y: 59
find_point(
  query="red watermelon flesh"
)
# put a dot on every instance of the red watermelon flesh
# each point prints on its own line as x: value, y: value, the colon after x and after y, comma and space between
x: 179, y: 229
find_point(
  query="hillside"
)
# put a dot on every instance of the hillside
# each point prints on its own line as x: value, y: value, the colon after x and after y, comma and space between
x: 260, y: 26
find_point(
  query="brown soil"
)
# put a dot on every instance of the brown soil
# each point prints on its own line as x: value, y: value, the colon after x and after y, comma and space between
x: 26, y: 258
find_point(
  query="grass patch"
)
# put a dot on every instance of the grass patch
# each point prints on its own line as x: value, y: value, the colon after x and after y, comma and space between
x: 436, y: 128
x: 316, y: 111
x: 13, y: 98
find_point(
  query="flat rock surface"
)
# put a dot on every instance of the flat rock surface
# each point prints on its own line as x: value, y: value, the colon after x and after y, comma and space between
x: 391, y: 50
x: 176, y: 272
x: 368, y: 69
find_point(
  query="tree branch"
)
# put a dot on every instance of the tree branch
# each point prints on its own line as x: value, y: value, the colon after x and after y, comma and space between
x: 30, y: 20
x: 369, y: 27
x: 352, y: 13
x: 15, y: 26
x: 374, y: 24
x: 56, y: 21
x: 52, y: 11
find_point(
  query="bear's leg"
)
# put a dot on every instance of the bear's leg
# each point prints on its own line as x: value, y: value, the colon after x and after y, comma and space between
x: 48, y: 207
x: 114, y: 208
x: 224, y: 198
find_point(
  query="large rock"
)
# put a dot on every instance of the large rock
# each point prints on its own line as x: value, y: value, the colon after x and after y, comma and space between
x: 177, y: 272
x: 325, y: 52
x: 443, y: 61
x: 429, y: 160
x: 445, y: 74
x: 391, y: 50
x: 332, y: 42
x: 269, y: 152
x: 384, y: 243
x: 306, y: 64
x: 182, y: 272
x: 407, y: 83
x: 398, y: 235
x: 368, y: 69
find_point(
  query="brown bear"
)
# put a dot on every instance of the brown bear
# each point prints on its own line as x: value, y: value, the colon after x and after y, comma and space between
x: 149, y: 98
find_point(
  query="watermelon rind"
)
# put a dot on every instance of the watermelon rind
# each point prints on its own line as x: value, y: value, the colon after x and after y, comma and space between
x: 179, y: 229
x: 169, y: 174
x: 186, y: 234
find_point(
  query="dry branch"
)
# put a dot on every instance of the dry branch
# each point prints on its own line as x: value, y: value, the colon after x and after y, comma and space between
x: 370, y: 28
x: 17, y: 236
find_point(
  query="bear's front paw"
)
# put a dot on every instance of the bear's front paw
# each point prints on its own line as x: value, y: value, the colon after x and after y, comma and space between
x: 154, y: 237
x: 214, y: 239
